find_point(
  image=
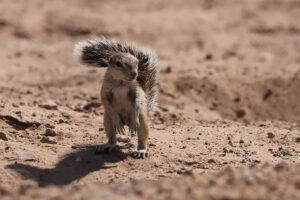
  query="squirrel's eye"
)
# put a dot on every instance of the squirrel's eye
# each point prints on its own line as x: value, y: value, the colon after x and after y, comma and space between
x: 119, y: 64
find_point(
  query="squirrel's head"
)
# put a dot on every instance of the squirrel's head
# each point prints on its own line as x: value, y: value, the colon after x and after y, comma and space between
x: 123, y: 66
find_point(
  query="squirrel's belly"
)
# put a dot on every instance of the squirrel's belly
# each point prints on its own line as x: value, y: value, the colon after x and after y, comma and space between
x: 124, y: 111
x: 122, y: 104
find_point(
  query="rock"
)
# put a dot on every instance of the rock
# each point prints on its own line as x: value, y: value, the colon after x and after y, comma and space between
x: 11, y: 156
x: 15, y: 105
x: 50, y: 105
x: 151, y: 144
x: 49, y: 140
x: 297, y: 139
x: 164, y: 109
x: 123, y: 138
x: 18, y: 112
x: 168, y: 70
x: 271, y: 135
x: 50, y: 132
x: 66, y: 115
x: 137, y: 178
x: 236, y: 99
x: 286, y: 152
x: 27, y: 157
x: 211, y: 161
x: 94, y: 97
x: 240, y: 113
x: 50, y: 126
x: 85, y: 106
x: 184, y: 171
x: 267, y: 94
x: 91, y: 104
x: 3, y: 136
x: 190, y: 162
x: 208, y: 56
x: 281, y: 166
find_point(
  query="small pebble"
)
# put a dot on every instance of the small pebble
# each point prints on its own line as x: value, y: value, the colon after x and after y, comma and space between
x: 50, y: 105
x: 50, y: 132
x: 3, y: 136
x: 271, y: 135
x: 123, y: 138
x: 49, y: 140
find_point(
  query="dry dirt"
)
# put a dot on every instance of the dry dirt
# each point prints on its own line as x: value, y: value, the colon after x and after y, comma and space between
x: 228, y: 122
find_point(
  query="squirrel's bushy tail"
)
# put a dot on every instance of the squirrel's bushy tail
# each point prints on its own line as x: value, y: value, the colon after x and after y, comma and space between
x: 97, y: 52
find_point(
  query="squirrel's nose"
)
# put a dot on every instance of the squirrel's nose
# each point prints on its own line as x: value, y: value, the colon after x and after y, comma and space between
x: 133, y: 74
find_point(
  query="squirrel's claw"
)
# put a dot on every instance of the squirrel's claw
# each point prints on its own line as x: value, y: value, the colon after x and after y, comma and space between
x: 140, y: 154
x: 120, y: 127
x: 108, y: 147
x: 121, y: 130
x: 134, y: 125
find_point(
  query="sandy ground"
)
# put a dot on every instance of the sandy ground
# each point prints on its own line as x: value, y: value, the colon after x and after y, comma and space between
x: 227, y: 126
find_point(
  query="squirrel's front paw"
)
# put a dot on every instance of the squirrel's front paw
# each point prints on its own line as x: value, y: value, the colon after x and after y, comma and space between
x: 105, y: 148
x: 119, y: 126
x: 143, y: 153
x: 134, y: 125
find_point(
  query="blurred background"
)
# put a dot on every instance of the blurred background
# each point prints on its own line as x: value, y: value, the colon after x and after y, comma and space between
x: 226, y: 59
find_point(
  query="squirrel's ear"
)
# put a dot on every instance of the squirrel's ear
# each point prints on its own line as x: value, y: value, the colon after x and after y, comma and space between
x: 110, y: 60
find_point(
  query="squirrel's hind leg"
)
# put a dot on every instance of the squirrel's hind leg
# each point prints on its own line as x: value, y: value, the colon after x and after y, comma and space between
x: 111, y: 135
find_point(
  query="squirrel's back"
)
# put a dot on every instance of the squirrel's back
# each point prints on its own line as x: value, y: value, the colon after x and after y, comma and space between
x: 97, y: 52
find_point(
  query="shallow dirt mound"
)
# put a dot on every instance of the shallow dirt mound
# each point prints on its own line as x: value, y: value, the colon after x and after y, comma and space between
x: 270, y: 99
x: 264, y: 182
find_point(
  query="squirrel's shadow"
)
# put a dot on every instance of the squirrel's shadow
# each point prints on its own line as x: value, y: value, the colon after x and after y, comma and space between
x: 73, y: 166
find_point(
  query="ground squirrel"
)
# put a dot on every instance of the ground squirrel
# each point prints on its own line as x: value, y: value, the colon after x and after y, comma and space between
x: 129, y: 89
